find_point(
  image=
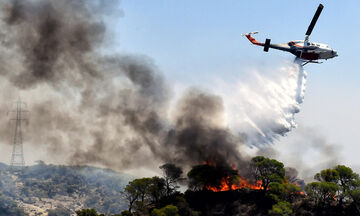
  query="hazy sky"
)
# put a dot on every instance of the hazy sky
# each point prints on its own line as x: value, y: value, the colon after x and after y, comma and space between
x: 195, y: 42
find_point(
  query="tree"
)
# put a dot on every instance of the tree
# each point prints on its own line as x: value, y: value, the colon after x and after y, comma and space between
x: 284, y: 191
x: 130, y: 194
x: 172, y: 174
x: 346, y: 180
x: 156, y: 189
x: 136, y: 190
x: 267, y: 171
x: 281, y: 209
x: 144, y: 193
x: 88, y: 212
x: 327, y: 175
x: 355, y: 195
x: 322, y: 192
x: 126, y: 213
x: 169, y: 210
x: 203, y: 177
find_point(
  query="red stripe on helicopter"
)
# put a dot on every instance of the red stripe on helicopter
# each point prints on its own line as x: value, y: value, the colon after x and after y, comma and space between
x: 293, y: 43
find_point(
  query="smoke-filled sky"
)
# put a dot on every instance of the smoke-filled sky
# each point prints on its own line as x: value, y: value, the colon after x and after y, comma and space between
x: 129, y: 85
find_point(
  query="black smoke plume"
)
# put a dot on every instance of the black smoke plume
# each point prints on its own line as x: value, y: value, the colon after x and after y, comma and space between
x: 198, y: 135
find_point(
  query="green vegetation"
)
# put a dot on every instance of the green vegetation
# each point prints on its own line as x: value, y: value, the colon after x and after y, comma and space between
x: 145, y: 192
x: 335, y: 191
x: 267, y: 171
x: 281, y: 209
x: 168, y: 210
x: 88, y: 212
x: 269, y: 189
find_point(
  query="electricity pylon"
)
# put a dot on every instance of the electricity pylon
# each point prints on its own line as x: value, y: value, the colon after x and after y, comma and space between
x: 17, y: 157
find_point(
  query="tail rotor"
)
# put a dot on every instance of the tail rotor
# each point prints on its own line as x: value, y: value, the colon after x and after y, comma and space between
x: 250, y: 33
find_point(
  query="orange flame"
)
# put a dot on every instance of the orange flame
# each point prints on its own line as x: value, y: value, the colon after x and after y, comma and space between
x: 242, y: 184
x: 226, y: 184
x: 301, y: 192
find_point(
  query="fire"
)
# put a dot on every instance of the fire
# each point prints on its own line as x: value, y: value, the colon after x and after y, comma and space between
x: 227, y: 184
x: 301, y: 192
x: 241, y: 184
x: 236, y: 182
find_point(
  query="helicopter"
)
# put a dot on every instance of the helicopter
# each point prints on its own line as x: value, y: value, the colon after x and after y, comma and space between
x: 304, y: 50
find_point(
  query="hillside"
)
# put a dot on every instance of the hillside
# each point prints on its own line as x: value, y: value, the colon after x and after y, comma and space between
x: 42, y: 188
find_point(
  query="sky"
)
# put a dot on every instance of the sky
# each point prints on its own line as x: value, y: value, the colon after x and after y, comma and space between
x: 195, y: 42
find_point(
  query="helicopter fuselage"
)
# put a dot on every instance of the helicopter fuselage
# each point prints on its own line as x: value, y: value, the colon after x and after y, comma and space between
x: 312, y: 50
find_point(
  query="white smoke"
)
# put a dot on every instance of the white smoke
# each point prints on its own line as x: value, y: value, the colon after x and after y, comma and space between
x: 262, y: 107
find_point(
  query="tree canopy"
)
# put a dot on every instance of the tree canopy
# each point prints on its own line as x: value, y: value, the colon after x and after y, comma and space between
x: 202, y: 177
x: 335, y: 191
x: 143, y: 192
x: 336, y: 186
x: 172, y: 175
x: 267, y: 171
x: 169, y: 210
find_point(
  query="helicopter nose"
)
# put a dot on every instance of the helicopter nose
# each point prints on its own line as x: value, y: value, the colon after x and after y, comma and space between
x: 334, y: 53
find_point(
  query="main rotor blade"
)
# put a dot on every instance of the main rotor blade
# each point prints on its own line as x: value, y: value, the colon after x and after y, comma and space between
x: 315, y: 18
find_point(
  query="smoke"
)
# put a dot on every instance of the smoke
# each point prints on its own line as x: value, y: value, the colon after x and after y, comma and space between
x: 55, y: 39
x: 199, y: 134
x: 316, y: 152
x: 98, y: 109
x: 115, y: 110
x: 307, y: 150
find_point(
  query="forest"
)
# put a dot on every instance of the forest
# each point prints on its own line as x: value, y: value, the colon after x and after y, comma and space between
x: 270, y: 189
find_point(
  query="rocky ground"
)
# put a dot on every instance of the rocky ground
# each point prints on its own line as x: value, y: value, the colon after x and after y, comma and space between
x: 40, y: 189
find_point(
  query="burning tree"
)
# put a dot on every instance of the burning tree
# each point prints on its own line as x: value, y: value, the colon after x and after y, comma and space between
x: 215, y: 178
x: 217, y: 187
x: 211, y: 176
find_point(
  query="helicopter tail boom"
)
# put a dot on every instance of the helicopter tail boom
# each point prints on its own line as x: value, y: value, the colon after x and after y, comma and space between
x: 251, y: 39
x: 267, y: 45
